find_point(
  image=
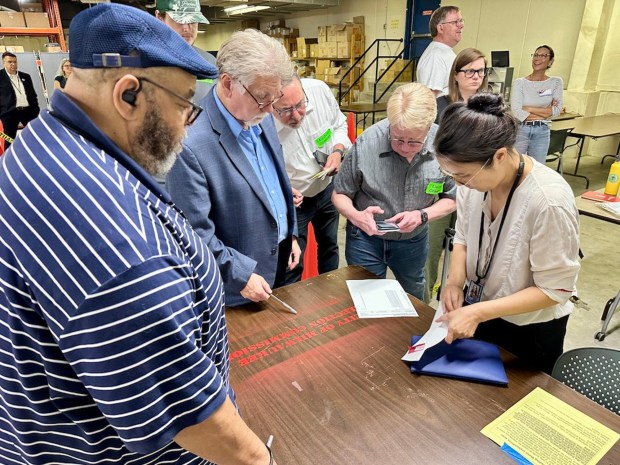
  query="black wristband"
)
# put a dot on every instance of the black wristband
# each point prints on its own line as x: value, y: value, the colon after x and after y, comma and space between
x: 341, y: 152
x: 423, y: 216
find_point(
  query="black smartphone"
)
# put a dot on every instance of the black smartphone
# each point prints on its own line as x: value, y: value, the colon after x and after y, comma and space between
x: 384, y: 226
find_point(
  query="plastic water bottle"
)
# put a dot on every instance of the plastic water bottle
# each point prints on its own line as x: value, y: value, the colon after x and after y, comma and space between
x: 613, y: 180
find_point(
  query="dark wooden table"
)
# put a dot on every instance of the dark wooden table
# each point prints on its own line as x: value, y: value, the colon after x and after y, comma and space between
x: 332, y: 389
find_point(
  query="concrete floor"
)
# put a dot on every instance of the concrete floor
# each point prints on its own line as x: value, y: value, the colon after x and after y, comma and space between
x: 599, y: 278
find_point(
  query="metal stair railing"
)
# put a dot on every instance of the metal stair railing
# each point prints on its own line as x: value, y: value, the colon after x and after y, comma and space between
x: 375, y: 61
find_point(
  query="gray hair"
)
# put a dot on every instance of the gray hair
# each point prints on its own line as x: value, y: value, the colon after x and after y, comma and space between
x: 250, y: 53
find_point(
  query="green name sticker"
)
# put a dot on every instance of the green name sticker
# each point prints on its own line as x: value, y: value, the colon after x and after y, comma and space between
x: 322, y: 139
x: 434, y: 188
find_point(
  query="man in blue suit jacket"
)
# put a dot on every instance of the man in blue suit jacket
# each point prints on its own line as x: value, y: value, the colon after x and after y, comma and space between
x: 230, y: 179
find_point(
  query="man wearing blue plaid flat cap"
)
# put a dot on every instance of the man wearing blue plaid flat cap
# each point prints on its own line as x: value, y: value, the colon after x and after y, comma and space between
x: 113, y: 343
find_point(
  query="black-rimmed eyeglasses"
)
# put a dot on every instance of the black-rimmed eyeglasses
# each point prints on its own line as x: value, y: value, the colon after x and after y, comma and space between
x: 482, y: 72
x: 195, y: 109
x: 261, y: 105
x: 288, y: 111
x: 540, y: 55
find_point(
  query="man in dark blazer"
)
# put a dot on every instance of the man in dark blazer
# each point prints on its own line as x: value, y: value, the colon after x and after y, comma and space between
x: 230, y: 179
x: 18, y: 99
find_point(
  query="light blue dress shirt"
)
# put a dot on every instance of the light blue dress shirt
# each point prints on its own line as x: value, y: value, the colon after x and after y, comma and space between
x: 259, y: 156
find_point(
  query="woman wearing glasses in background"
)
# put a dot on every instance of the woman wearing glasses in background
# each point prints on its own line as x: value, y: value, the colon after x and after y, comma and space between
x: 535, y: 99
x: 508, y: 282
x: 391, y: 175
x: 64, y: 71
x: 469, y: 75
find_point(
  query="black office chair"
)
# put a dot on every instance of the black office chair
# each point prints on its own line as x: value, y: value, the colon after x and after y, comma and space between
x: 556, y: 147
x: 593, y: 372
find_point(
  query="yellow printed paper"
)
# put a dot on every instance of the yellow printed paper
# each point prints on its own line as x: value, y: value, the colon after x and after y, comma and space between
x: 548, y: 431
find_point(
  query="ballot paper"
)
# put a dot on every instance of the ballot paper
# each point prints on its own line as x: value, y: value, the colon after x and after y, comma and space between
x: 380, y: 298
x: 546, y: 430
x: 322, y: 174
x: 435, y: 334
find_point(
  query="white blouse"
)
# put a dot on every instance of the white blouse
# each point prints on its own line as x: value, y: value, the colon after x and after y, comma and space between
x: 539, y: 242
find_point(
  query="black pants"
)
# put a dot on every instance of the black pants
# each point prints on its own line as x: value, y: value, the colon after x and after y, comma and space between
x: 284, y: 253
x: 320, y: 211
x: 11, y: 120
x: 539, y: 344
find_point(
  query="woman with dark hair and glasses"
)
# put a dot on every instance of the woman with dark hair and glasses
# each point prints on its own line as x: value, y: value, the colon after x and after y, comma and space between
x: 514, y: 264
x: 534, y: 100
x: 469, y: 75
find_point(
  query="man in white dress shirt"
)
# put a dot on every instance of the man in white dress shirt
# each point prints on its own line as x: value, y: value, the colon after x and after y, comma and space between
x: 314, y: 137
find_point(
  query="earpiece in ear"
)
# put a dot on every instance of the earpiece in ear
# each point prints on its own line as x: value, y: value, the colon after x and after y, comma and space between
x: 130, y: 96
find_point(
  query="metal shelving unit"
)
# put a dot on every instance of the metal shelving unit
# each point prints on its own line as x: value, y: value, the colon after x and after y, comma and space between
x: 54, y: 32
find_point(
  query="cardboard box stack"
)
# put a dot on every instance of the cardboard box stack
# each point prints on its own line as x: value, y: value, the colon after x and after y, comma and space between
x: 250, y: 24
x: 343, y: 39
x: 53, y: 47
x: 38, y: 20
x: 406, y: 76
x: 286, y: 35
x: 304, y: 46
x: 11, y: 48
x: 12, y: 19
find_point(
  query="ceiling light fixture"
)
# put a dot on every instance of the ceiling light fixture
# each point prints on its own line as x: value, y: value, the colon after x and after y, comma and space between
x: 235, y: 8
x: 250, y: 9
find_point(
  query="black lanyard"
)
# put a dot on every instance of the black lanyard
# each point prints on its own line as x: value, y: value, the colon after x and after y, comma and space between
x: 501, y: 224
x: 14, y: 85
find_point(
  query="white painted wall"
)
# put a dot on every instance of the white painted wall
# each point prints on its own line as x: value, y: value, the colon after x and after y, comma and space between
x: 515, y: 25
x: 583, y: 33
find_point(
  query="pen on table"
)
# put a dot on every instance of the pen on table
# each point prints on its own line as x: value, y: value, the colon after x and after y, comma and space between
x: 284, y: 304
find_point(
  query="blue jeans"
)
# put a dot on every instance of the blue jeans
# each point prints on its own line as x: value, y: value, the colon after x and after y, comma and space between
x: 320, y: 211
x: 534, y: 140
x: 405, y: 258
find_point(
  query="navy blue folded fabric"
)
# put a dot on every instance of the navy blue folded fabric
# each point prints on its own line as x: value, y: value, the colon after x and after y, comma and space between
x: 465, y: 359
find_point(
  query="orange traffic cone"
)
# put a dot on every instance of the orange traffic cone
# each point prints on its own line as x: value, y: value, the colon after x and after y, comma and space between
x: 1, y: 139
x: 311, y: 257
x: 351, y: 127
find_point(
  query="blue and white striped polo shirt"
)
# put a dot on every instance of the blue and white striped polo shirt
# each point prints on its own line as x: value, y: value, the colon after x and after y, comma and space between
x: 112, y: 329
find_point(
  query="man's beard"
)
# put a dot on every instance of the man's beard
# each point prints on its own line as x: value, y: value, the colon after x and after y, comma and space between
x: 156, y: 147
x: 256, y: 120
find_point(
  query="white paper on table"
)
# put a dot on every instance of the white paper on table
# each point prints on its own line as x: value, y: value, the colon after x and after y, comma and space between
x: 435, y: 334
x: 613, y: 207
x: 380, y: 298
